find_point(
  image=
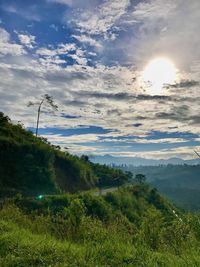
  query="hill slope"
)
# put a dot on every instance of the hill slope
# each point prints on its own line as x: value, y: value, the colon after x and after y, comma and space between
x: 133, y: 226
x: 180, y: 183
x: 33, y: 166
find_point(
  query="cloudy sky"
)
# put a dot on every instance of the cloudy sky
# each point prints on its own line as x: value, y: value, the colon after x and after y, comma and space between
x: 90, y: 56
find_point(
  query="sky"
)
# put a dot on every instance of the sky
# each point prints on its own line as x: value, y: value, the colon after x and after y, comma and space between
x: 90, y: 56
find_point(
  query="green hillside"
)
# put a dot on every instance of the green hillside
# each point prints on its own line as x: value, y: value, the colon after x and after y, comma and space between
x: 132, y: 226
x: 33, y: 166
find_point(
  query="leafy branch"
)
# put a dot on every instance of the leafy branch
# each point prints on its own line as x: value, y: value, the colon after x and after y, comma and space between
x: 45, y: 99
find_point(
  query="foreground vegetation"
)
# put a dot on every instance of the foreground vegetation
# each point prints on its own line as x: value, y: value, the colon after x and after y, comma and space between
x: 132, y: 226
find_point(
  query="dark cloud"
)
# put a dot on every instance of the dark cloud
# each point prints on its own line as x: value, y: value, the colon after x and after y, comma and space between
x: 172, y: 127
x: 182, y: 110
x: 137, y: 124
x: 66, y: 116
x: 114, y: 112
x: 179, y: 114
x: 195, y: 119
x: 141, y: 118
x: 153, y: 97
x: 165, y: 115
x: 99, y: 105
x: 123, y: 96
x: 117, y: 96
x: 77, y: 103
x: 184, y: 84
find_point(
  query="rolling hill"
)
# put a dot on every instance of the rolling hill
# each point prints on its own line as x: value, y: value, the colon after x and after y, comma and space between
x: 32, y: 166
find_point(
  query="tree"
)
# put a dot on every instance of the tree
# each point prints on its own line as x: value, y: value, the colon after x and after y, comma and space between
x: 4, y: 119
x: 129, y: 176
x: 85, y: 158
x: 140, y: 178
x: 197, y: 153
x: 44, y: 99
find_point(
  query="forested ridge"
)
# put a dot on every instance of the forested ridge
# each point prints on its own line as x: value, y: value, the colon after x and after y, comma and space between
x: 31, y: 165
x: 180, y: 183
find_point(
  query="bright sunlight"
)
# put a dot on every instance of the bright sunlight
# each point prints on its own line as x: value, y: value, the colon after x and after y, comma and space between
x: 158, y: 72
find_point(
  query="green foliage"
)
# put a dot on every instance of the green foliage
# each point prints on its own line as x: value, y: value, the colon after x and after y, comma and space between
x: 73, y: 173
x: 86, y: 230
x: 26, y: 162
x: 75, y: 212
x: 109, y: 176
x: 140, y: 178
x: 32, y: 166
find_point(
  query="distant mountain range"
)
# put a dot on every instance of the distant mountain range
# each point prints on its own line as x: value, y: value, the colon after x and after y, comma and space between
x: 137, y: 161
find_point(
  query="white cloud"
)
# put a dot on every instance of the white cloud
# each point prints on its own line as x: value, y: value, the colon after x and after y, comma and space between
x: 87, y: 40
x: 52, y: 55
x: 60, y: 50
x: 53, y: 26
x: 74, y: 139
x: 35, y: 79
x: 185, y: 152
x: 27, y: 40
x: 101, y: 18
x: 4, y: 36
x: 7, y: 47
x: 169, y: 28
x: 79, y: 57
x: 47, y: 52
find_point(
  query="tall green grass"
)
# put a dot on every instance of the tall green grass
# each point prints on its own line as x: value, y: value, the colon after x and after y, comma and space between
x: 125, y: 228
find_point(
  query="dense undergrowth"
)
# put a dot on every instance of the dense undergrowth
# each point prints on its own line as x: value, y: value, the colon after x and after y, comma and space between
x: 132, y: 226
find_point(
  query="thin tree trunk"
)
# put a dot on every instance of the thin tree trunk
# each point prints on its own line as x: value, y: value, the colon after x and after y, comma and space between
x: 38, y: 118
x: 197, y: 153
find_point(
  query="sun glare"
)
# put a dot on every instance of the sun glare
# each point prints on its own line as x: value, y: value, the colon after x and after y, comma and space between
x: 158, y: 72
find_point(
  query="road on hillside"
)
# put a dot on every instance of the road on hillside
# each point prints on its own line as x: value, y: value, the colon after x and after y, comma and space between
x: 104, y: 191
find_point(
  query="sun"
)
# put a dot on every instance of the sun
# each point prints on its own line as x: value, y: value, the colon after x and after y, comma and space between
x: 157, y: 73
